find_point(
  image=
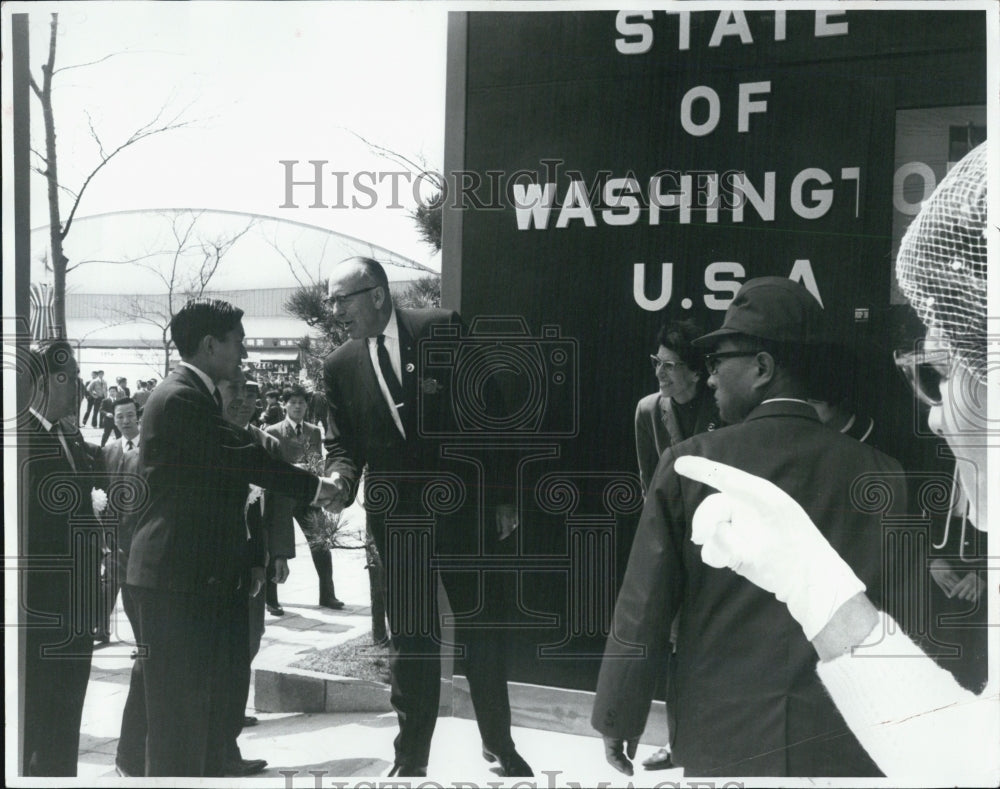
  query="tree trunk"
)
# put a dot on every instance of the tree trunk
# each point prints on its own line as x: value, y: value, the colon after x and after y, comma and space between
x: 59, y: 260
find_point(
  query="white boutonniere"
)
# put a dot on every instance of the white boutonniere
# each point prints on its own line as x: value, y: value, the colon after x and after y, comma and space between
x: 430, y: 386
x: 98, y: 500
x: 410, y: 368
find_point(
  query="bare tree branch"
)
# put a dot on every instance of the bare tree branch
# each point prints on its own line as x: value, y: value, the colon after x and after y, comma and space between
x: 91, y: 63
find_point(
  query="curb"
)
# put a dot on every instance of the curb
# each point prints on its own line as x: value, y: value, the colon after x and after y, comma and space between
x: 301, y: 690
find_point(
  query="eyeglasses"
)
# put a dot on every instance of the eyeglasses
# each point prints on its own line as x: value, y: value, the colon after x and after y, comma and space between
x: 925, y: 371
x: 332, y: 301
x: 712, y: 359
x: 658, y: 363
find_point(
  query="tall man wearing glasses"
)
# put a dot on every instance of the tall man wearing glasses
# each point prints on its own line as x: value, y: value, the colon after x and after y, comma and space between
x: 372, y: 387
x: 746, y: 699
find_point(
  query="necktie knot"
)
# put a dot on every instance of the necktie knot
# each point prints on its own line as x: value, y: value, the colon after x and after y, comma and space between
x: 129, y: 445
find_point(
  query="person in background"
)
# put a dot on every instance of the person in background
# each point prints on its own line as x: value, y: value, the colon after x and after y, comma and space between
x: 912, y: 716
x: 58, y: 605
x: 682, y: 406
x: 141, y: 395
x: 97, y: 390
x: 299, y: 441
x: 120, y: 465
x: 123, y: 387
x: 273, y: 413
x: 108, y: 414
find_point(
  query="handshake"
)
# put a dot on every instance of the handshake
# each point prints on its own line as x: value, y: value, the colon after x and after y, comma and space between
x: 333, y: 493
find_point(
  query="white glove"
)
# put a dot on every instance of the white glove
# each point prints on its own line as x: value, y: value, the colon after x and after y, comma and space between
x: 98, y: 500
x: 759, y: 531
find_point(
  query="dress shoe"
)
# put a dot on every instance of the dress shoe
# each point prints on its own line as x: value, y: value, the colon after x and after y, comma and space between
x: 512, y: 764
x: 127, y: 772
x: 404, y: 770
x: 331, y: 602
x: 660, y: 760
x: 250, y: 720
x: 240, y: 768
x: 275, y: 610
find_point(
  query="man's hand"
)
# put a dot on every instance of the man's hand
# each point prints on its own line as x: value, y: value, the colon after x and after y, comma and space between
x: 970, y: 587
x: 944, y: 576
x: 332, y: 494
x: 615, y: 751
x: 759, y: 531
x: 506, y: 520
x: 280, y: 570
x: 256, y: 580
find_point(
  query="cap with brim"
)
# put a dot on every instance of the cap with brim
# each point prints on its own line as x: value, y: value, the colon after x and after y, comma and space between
x: 771, y: 308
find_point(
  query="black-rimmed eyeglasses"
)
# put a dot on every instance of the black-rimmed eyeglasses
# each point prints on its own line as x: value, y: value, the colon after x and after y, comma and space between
x: 712, y: 359
x: 925, y: 371
x: 333, y: 301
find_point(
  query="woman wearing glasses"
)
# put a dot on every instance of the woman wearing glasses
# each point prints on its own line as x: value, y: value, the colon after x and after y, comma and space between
x: 683, y: 406
x: 912, y: 716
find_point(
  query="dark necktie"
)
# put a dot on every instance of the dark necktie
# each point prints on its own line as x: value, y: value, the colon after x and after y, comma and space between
x: 298, y: 430
x: 218, y: 398
x: 395, y: 388
x: 129, y: 445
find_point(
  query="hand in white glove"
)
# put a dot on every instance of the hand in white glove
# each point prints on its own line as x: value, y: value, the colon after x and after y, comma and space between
x: 98, y: 500
x: 759, y: 531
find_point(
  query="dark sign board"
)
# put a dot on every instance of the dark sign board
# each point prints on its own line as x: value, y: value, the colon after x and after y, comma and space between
x: 613, y: 170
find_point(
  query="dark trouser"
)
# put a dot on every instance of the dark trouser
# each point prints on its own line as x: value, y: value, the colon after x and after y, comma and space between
x: 193, y: 643
x: 93, y: 407
x: 321, y: 557
x: 415, y: 661
x: 115, y: 565
x: 131, y: 754
x: 56, y: 673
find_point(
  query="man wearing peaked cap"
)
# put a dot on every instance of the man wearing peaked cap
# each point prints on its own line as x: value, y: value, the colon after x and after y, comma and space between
x: 746, y: 699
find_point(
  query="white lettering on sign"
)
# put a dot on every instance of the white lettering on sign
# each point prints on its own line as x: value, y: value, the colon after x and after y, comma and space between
x: 576, y: 206
x: 620, y: 193
x: 731, y: 23
x: 713, y: 272
x: 639, y: 286
x: 532, y: 204
x: 916, y: 169
x: 708, y: 125
x: 636, y: 34
x: 723, y: 280
x: 822, y: 198
x: 630, y: 29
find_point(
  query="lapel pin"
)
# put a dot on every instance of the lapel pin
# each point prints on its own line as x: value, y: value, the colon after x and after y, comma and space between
x: 410, y: 368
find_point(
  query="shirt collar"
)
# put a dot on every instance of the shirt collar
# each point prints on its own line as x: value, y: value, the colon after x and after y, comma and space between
x: 292, y: 422
x: 391, y: 330
x: 135, y: 441
x: 209, y: 383
x: 44, y: 422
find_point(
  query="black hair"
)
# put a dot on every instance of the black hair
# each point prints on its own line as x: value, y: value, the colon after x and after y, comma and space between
x: 677, y: 336
x: 199, y: 318
x: 294, y: 391
x: 126, y: 401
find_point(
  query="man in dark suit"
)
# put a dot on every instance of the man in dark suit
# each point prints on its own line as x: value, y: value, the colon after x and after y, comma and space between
x: 299, y: 442
x: 746, y: 698
x: 371, y: 387
x: 54, y: 486
x: 189, y: 560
